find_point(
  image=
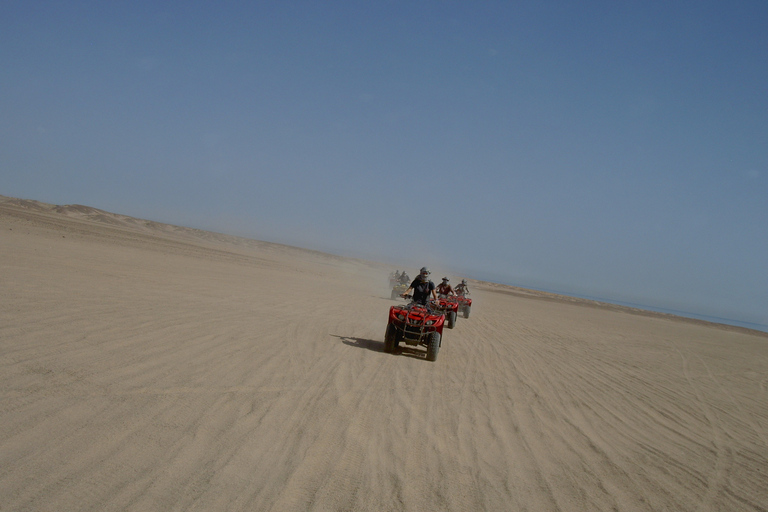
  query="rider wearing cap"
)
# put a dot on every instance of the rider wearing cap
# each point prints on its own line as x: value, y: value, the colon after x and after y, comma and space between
x: 444, y: 289
x: 461, y: 288
x: 422, y: 287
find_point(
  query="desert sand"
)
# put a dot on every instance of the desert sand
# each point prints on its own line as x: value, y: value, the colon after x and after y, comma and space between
x: 146, y: 367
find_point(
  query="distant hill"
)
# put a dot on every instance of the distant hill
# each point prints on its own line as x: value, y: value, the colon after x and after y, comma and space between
x: 89, y: 214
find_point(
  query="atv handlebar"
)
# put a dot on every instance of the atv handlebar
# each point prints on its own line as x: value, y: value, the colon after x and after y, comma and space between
x: 434, y: 304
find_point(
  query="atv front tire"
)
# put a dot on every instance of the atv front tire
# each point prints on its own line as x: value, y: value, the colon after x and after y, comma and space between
x: 389, y: 339
x: 466, y: 311
x: 433, y: 345
x: 450, y: 319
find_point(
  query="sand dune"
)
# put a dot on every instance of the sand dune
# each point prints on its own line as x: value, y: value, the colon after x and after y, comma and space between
x: 147, y: 367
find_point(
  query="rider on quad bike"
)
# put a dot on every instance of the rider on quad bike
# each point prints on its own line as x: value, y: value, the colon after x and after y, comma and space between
x: 422, y: 288
x: 419, y: 323
x: 446, y: 299
x: 462, y: 295
x: 444, y: 289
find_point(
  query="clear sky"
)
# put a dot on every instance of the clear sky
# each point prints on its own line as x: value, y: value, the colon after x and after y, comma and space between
x: 602, y: 148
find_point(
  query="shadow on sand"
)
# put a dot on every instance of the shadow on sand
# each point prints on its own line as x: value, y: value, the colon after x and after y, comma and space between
x: 378, y: 346
x: 410, y: 352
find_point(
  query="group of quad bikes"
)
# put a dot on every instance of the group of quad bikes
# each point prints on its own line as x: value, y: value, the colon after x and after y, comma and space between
x: 422, y: 325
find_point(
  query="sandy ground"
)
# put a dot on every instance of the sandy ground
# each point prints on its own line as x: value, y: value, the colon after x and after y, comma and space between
x: 150, y: 368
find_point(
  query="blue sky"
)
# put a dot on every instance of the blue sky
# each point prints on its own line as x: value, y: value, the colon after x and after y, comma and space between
x: 609, y: 149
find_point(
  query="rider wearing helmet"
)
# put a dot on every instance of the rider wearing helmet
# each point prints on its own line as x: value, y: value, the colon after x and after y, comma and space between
x: 422, y: 287
x: 444, y: 289
x: 461, y: 288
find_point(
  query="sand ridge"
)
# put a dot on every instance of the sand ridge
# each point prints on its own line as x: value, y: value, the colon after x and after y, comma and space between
x: 152, y: 367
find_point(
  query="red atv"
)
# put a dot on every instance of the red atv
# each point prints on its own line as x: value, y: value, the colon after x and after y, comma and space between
x: 451, y: 306
x: 465, y: 304
x: 415, y: 324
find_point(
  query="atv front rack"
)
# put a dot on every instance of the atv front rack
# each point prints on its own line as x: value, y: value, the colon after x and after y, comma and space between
x: 417, y: 324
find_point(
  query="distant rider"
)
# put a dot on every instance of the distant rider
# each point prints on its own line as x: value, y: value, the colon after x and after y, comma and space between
x: 422, y: 287
x: 461, y: 288
x: 404, y: 279
x: 444, y: 289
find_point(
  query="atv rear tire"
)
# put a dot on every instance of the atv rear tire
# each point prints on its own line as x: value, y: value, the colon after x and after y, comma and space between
x: 433, y: 345
x: 466, y: 311
x: 389, y: 339
x: 450, y: 319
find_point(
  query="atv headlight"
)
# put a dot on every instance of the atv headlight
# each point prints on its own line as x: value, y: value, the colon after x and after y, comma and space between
x: 430, y: 322
x: 400, y: 316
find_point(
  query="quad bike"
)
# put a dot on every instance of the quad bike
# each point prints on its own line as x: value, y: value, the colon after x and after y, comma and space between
x: 465, y: 304
x: 398, y: 290
x: 451, y: 307
x: 415, y: 325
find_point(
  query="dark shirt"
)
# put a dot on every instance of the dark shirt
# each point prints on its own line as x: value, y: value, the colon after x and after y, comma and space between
x: 422, y: 290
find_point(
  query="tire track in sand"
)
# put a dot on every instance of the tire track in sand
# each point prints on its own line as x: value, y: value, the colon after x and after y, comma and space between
x: 717, y: 478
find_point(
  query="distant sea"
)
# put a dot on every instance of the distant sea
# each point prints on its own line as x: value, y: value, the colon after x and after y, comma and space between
x: 686, y: 314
